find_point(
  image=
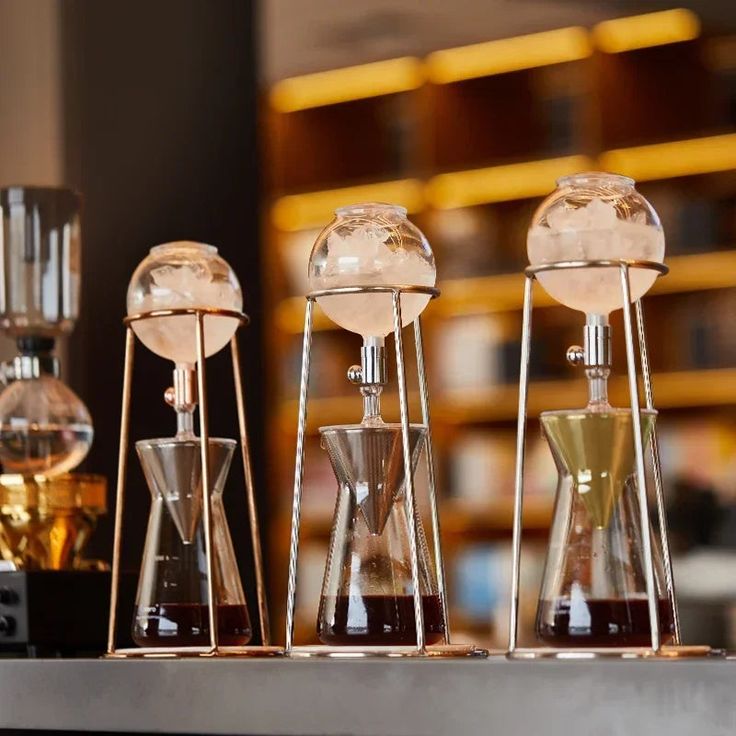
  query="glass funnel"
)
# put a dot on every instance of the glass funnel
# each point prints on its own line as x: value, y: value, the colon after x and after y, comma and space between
x: 367, y: 591
x: 594, y: 586
x: 172, y: 605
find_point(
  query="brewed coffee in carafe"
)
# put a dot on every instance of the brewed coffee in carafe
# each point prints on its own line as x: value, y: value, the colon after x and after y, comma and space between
x: 594, y: 588
x: 367, y: 593
x: 172, y: 606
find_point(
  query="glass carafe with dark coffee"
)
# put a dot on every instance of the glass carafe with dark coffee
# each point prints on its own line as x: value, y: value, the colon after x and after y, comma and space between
x: 173, y: 600
x: 368, y: 594
x: 594, y: 592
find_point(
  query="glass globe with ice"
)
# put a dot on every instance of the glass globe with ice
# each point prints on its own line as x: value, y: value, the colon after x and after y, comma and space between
x: 181, y: 275
x: 595, y: 216
x: 371, y: 245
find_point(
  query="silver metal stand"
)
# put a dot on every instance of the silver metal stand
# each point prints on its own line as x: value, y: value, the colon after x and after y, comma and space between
x: 656, y: 649
x: 421, y: 649
x: 214, y: 649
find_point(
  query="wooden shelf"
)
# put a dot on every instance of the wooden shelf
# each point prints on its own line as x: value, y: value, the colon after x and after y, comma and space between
x: 339, y: 410
x: 672, y: 390
x: 459, y: 518
x: 504, y: 292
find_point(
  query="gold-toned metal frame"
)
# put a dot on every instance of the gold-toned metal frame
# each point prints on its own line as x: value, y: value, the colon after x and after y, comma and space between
x: 214, y: 649
x: 656, y: 649
x: 447, y: 649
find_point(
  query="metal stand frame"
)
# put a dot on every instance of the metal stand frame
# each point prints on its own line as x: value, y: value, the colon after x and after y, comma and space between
x: 214, y: 649
x: 656, y: 649
x: 421, y: 649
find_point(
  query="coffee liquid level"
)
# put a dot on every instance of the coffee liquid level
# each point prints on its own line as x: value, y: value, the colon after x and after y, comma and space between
x: 602, y: 623
x: 187, y: 625
x: 377, y: 620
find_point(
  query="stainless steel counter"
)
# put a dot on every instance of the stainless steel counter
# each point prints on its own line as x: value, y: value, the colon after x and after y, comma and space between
x: 395, y: 697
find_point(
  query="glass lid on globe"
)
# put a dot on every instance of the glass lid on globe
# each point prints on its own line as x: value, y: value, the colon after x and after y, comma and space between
x: 596, y: 245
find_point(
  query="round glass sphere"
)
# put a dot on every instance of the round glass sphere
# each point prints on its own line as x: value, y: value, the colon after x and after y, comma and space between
x: 595, y: 216
x: 371, y: 245
x: 45, y: 428
x: 176, y: 276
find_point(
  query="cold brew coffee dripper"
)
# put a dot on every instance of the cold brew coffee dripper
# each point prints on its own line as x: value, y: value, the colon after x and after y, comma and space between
x: 372, y: 272
x: 184, y: 304
x: 596, y: 245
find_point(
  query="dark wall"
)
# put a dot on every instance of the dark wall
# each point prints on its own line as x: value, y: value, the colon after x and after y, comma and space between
x: 161, y: 137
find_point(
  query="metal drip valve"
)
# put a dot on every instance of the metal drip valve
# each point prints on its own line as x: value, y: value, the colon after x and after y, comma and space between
x: 371, y: 375
x: 596, y: 356
x: 182, y: 397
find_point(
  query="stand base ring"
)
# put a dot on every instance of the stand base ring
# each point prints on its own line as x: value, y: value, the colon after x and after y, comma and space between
x: 665, y: 652
x: 189, y: 652
x: 348, y: 652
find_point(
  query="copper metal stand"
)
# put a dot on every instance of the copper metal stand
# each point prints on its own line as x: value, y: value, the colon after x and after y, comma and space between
x: 421, y: 649
x: 656, y: 649
x: 265, y: 649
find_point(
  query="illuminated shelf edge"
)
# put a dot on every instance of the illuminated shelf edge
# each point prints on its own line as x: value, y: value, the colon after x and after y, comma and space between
x: 504, y: 292
x: 504, y: 182
x: 672, y: 390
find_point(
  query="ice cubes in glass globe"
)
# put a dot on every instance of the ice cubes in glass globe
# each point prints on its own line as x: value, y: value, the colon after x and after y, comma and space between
x: 178, y: 276
x: 371, y: 245
x: 595, y: 216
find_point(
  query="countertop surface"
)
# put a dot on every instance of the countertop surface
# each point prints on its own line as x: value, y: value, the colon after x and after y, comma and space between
x: 398, y: 697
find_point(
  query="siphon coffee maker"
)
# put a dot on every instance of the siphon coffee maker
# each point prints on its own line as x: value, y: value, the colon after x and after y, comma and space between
x: 184, y: 304
x: 596, y: 245
x: 48, y: 512
x: 372, y: 272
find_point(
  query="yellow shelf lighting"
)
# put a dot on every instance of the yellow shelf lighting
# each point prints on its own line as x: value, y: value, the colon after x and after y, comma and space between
x: 350, y: 83
x: 642, y: 31
x: 501, y: 183
x: 677, y: 158
x: 315, y: 209
x: 508, y: 55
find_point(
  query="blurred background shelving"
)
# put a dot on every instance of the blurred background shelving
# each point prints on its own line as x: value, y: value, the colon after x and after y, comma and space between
x: 469, y: 140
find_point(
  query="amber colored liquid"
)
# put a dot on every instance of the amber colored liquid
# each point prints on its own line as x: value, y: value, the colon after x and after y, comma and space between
x: 187, y: 625
x: 377, y: 620
x: 602, y: 623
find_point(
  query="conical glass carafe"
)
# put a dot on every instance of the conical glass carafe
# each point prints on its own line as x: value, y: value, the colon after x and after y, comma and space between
x: 172, y: 606
x: 594, y: 586
x: 367, y: 592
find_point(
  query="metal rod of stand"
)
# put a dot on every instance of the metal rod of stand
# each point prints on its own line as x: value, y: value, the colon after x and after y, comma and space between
x: 298, y: 475
x: 429, y: 455
x: 204, y: 438
x: 255, y: 532
x: 411, y: 507
x: 526, y: 329
x: 657, y: 471
x: 652, y: 596
x: 120, y: 490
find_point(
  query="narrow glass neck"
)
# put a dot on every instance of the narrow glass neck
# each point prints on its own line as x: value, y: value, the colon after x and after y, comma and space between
x: 184, y: 425
x: 371, y: 404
